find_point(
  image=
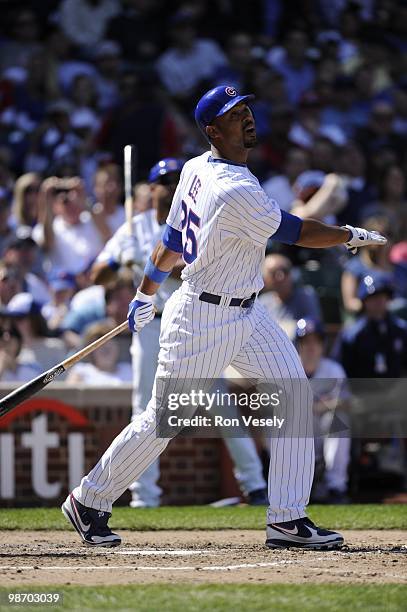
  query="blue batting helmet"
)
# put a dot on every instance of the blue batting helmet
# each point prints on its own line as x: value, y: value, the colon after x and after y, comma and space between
x: 215, y: 103
x: 164, y: 166
x: 374, y: 283
x: 309, y: 326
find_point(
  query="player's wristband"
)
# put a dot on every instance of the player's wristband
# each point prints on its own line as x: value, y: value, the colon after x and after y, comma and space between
x: 143, y: 297
x: 154, y: 273
x: 113, y: 264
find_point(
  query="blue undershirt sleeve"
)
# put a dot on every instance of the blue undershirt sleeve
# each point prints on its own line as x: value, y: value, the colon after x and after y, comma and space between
x: 172, y: 239
x: 289, y: 229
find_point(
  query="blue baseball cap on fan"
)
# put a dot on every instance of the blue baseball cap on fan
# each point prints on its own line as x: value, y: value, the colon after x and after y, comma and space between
x: 375, y: 283
x: 215, y: 103
x: 164, y: 166
x: 309, y: 326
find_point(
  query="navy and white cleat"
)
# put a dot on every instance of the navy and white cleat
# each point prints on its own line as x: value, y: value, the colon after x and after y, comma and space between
x: 91, y: 524
x: 302, y: 533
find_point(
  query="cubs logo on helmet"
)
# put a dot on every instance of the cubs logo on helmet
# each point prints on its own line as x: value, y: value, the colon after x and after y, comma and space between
x: 231, y: 91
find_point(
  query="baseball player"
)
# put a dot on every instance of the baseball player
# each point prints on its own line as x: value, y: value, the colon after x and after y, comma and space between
x: 331, y: 399
x: 134, y: 250
x: 123, y: 249
x: 220, y: 220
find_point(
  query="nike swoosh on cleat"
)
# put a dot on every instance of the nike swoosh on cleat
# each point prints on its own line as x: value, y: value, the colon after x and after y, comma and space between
x: 284, y: 530
x: 85, y: 528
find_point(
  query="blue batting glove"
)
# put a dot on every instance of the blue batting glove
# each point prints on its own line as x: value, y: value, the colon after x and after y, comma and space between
x: 141, y: 311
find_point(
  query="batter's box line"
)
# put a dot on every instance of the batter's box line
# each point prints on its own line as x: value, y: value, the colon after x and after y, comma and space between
x: 59, y: 568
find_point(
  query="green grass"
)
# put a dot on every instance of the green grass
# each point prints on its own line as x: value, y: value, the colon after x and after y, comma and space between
x: 367, y: 516
x: 226, y: 597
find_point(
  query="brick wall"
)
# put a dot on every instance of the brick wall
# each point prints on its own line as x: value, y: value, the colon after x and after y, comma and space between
x: 191, y: 469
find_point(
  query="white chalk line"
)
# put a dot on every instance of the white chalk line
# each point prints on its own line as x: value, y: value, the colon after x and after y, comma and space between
x: 207, y: 568
x: 155, y: 553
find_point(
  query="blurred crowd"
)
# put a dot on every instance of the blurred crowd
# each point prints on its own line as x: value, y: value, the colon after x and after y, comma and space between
x: 80, y: 79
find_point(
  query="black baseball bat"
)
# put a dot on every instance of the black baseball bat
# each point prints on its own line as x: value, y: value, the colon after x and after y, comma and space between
x: 16, y: 397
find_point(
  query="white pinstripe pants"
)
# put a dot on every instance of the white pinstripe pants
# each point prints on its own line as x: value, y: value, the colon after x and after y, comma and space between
x: 198, y: 341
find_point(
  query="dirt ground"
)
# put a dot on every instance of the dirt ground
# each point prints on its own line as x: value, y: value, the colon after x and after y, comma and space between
x: 49, y: 557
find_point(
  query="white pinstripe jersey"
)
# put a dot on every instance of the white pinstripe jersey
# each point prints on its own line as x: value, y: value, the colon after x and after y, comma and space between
x: 226, y: 218
x: 146, y: 233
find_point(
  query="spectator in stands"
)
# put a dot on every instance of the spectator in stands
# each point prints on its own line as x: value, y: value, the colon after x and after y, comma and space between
x: 379, y: 132
x: 84, y: 98
x: 318, y: 196
x: 22, y: 253
x: 103, y: 367
x: 140, y: 29
x: 24, y: 40
x: 11, y: 370
x: 331, y: 398
x: 25, y: 203
x: 144, y: 120
x: 280, y: 187
x: 142, y: 197
x: 324, y: 153
x: 37, y: 346
x: 352, y: 166
x: 7, y: 233
x: 375, y: 346
x: 112, y: 303
x: 11, y: 283
x: 66, y: 231
x: 236, y: 70
x: 108, y: 213
x: 276, y: 144
x: 369, y: 260
x: 62, y: 287
x: 190, y: 62
x: 268, y: 87
x: 85, y: 21
x: 54, y: 140
x: 108, y: 61
x: 392, y: 201
x: 286, y: 301
x: 291, y: 61
x: 339, y: 109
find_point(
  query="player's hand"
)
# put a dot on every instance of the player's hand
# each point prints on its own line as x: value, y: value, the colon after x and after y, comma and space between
x: 128, y: 252
x: 141, y: 311
x: 361, y: 237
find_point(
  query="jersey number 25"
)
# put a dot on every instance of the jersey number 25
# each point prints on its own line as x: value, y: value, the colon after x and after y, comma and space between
x: 189, y: 218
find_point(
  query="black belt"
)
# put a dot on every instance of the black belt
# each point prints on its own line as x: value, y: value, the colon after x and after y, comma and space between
x: 216, y: 299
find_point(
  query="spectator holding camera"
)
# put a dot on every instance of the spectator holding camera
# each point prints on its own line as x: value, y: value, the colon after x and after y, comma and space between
x: 66, y: 231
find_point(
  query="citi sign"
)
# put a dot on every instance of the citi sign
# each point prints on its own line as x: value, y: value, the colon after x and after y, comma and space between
x: 39, y: 440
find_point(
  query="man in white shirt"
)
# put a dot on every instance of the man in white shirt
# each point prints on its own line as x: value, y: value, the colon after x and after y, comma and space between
x: 66, y: 231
